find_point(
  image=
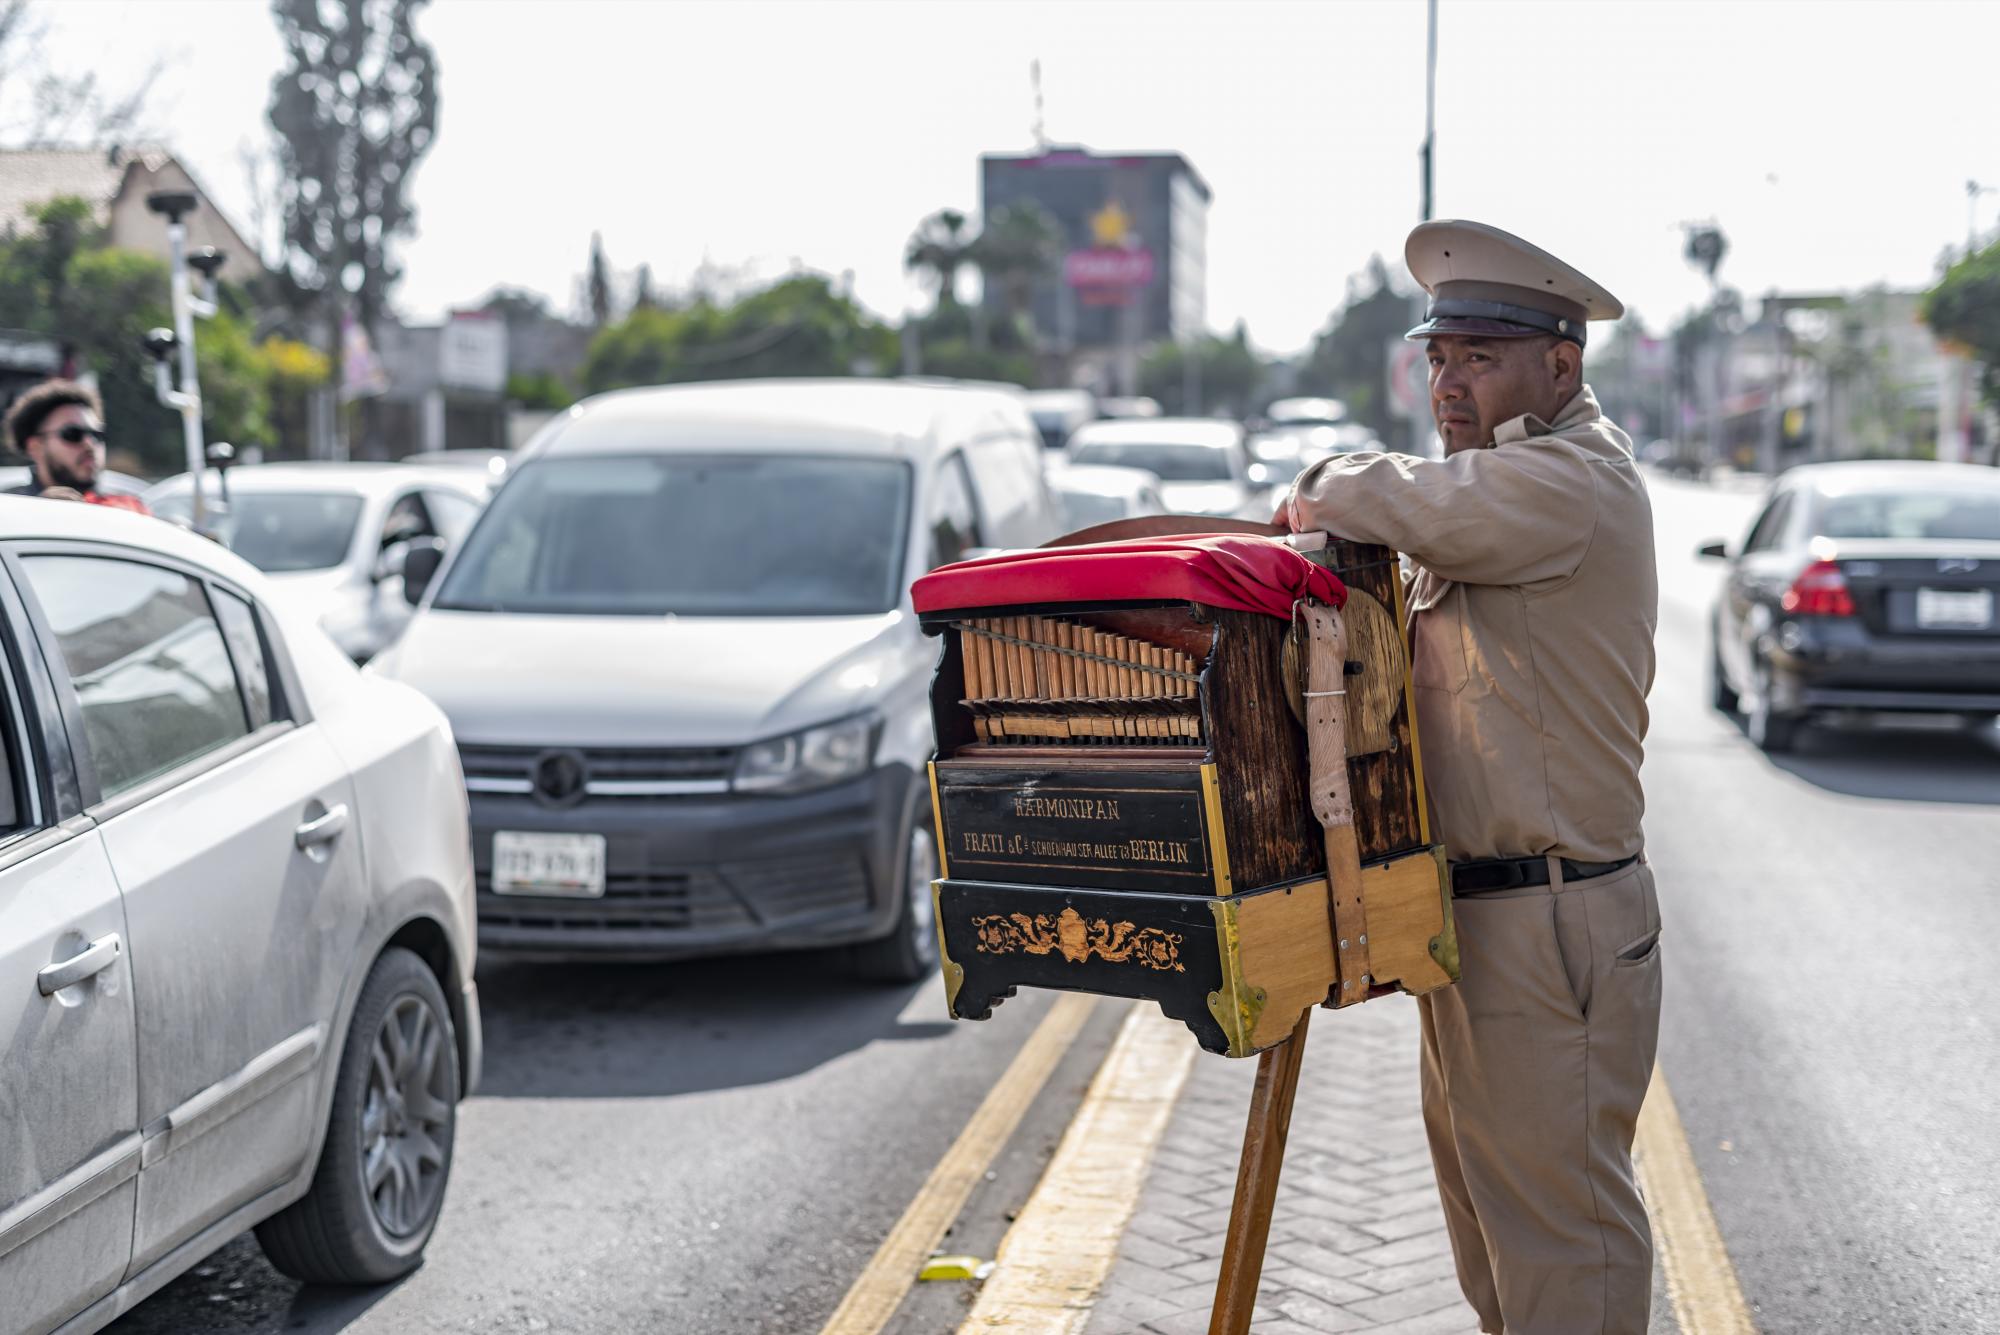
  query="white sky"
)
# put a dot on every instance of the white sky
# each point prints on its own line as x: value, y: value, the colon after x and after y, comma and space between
x: 1831, y: 138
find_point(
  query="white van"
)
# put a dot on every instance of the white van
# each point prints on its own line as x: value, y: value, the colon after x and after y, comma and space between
x: 679, y: 656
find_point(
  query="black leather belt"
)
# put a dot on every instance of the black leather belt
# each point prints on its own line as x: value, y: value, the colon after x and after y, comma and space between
x: 1474, y: 878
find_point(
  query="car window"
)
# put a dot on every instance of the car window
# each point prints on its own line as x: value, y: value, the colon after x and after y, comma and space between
x: 954, y: 524
x: 1005, y: 475
x: 1769, y: 529
x: 452, y: 513
x: 1173, y: 462
x: 148, y: 660
x: 1935, y: 516
x: 246, y: 646
x: 689, y: 534
x: 408, y: 518
x: 14, y: 804
x: 280, y: 531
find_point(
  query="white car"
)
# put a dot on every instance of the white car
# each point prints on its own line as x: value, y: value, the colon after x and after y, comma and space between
x: 236, y: 928
x: 334, y: 537
x: 1097, y: 494
x: 1203, y: 464
x: 689, y: 689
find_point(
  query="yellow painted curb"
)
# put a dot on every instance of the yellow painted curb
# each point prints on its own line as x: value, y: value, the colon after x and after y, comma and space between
x: 879, y: 1290
x: 1701, y: 1282
x: 1054, y: 1259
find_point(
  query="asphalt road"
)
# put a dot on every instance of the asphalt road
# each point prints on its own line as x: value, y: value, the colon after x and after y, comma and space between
x: 1833, y: 1010
x: 718, y: 1147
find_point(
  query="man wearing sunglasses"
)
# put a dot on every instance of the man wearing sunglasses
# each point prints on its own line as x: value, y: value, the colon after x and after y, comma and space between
x: 59, y: 425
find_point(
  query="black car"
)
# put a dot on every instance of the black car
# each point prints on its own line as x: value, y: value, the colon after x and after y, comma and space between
x: 1862, y: 588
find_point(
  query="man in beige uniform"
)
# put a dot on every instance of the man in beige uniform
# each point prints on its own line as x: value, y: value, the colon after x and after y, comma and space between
x: 1533, y: 607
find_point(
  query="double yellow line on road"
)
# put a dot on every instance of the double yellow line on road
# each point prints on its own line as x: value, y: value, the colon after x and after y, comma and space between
x: 878, y: 1292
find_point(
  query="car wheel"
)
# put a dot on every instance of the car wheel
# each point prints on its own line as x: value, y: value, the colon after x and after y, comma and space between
x: 1770, y: 732
x: 380, y: 1184
x: 1720, y: 695
x: 910, y: 950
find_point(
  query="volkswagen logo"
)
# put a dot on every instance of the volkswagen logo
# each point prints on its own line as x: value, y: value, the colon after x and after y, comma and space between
x: 560, y: 778
x: 1957, y: 565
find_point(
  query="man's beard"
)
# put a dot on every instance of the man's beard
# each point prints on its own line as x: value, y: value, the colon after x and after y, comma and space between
x: 62, y: 475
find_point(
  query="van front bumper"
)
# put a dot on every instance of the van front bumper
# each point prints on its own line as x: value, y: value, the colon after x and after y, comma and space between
x: 686, y: 877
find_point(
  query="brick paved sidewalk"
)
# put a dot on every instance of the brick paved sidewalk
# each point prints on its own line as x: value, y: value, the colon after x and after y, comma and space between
x: 1357, y: 1239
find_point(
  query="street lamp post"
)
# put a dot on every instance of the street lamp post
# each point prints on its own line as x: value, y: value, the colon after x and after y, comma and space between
x: 175, y: 205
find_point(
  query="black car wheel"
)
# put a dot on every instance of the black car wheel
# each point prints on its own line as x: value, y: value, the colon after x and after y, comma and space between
x: 910, y: 950
x: 1721, y: 695
x: 375, y: 1198
x: 1770, y: 732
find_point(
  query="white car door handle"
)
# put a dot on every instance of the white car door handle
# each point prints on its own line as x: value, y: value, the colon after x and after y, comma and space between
x: 101, y: 955
x: 324, y: 830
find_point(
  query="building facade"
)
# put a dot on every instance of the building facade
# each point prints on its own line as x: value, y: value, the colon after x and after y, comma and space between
x: 1134, y: 267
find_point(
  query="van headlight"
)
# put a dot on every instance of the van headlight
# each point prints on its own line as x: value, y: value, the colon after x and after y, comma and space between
x: 816, y: 758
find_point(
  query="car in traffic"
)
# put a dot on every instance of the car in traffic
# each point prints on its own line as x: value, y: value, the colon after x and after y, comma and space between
x: 334, y: 537
x: 1092, y: 494
x: 1861, y: 588
x: 1059, y: 412
x: 688, y: 686
x: 1203, y: 463
x: 236, y: 928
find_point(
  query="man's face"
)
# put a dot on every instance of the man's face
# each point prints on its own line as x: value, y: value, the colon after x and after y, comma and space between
x: 61, y: 462
x: 1478, y: 383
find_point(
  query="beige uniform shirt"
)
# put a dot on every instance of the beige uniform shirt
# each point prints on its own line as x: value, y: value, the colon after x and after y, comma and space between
x: 1533, y: 612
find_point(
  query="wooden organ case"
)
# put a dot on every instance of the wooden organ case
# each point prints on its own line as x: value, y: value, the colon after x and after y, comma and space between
x: 1127, y: 804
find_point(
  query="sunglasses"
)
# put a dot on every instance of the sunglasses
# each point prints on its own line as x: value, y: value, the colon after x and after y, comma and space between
x: 76, y: 435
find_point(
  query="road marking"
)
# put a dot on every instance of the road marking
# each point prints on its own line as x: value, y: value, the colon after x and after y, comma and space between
x: 1701, y: 1283
x: 879, y: 1289
x: 1054, y: 1259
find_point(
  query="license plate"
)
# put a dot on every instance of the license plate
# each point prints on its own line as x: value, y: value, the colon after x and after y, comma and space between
x: 1948, y: 609
x: 569, y: 866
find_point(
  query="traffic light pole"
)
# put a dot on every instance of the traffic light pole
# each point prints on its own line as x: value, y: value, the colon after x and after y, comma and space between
x: 174, y: 205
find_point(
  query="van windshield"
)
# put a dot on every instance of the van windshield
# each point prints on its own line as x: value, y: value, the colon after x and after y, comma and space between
x: 689, y: 534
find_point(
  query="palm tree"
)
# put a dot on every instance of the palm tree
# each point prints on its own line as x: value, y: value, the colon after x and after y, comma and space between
x: 940, y: 247
x: 1020, y: 245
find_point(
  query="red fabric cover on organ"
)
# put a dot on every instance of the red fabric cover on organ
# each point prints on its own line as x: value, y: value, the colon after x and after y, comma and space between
x: 1247, y: 573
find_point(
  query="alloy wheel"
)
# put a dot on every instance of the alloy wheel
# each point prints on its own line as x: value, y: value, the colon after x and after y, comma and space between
x: 406, y: 1116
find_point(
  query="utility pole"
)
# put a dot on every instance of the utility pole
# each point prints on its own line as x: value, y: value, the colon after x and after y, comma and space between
x: 1430, y: 105
x: 174, y: 205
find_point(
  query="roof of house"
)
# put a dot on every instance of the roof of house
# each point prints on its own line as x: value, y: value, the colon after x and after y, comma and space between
x: 32, y: 176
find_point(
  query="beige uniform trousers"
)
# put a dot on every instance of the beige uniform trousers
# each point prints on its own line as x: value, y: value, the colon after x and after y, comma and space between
x: 1534, y: 1068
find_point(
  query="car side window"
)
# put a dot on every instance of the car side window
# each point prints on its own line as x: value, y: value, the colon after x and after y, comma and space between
x: 954, y: 522
x: 14, y: 776
x: 148, y: 660
x: 1770, y: 526
x: 246, y: 647
x: 452, y: 512
x: 1005, y: 486
x: 408, y: 518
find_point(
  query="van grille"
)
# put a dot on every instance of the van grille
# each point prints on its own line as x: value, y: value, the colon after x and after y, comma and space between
x: 610, y: 773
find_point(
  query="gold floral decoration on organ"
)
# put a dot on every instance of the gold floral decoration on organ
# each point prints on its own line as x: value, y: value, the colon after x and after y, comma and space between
x: 1076, y: 940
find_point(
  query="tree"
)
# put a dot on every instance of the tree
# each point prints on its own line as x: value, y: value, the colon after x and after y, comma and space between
x: 355, y: 110
x: 1964, y: 308
x: 1019, y: 247
x: 940, y: 247
x: 799, y: 326
x: 98, y: 302
x: 600, y: 283
x: 1350, y: 360
x: 61, y: 108
x: 1229, y: 373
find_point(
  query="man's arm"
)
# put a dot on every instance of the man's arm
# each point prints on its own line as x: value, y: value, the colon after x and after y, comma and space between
x: 1517, y: 514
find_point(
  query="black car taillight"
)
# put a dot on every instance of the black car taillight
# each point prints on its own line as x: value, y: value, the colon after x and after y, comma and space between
x: 1819, y: 591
